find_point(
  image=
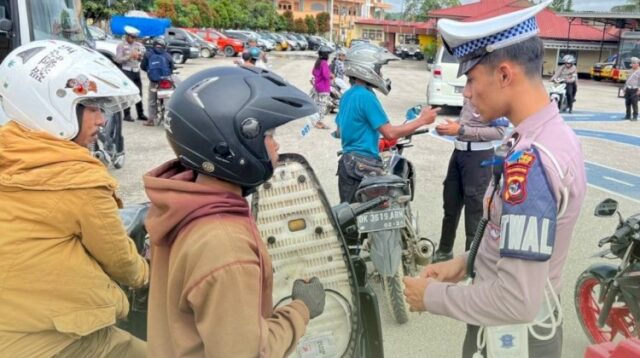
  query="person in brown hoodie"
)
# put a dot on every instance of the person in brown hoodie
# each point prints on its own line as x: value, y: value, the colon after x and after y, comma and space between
x: 211, y: 275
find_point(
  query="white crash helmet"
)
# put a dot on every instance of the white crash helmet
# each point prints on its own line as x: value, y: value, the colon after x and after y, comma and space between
x: 569, y: 59
x: 42, y: 83
x: 364, y: 61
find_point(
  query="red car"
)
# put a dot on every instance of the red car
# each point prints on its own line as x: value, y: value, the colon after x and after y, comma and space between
x: 230, y: 47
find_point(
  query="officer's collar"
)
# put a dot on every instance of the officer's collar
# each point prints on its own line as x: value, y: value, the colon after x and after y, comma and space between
x: 538, y: 119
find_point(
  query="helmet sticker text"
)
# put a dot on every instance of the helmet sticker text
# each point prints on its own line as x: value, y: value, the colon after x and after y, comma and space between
x: 48, y: 62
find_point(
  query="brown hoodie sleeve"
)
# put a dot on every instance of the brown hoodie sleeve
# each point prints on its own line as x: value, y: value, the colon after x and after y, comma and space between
x: 105, y: 238
x: 226, y: 308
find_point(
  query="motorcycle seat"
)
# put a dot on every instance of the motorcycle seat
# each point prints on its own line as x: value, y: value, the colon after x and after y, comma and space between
x: 133, y: 218
x: 389, y: 180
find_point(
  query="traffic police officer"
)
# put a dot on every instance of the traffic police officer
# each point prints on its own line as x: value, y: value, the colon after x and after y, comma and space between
x: 466, y: 179
x: 129, y: 55
x: 631, y: 90
x: 531, y: 205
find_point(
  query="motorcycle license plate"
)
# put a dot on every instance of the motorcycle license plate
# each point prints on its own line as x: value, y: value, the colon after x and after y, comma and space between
x: 387, y: 219
x: 165, y: 94
x: 458, y: 89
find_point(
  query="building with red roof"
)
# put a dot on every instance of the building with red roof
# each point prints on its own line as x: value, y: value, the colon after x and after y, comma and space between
x: 394, y: 33
x: 560, y: 35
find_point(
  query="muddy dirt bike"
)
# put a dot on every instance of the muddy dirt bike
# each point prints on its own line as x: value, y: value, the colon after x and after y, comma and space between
x: 303, y: 235
x: 607, y: 297
x: 389, y: 235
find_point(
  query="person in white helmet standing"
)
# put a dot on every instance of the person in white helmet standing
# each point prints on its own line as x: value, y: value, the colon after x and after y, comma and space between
x: 64, y: 249
x: 129, y: 55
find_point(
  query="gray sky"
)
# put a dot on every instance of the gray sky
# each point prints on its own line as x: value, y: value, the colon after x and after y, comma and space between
x: 579, y: 5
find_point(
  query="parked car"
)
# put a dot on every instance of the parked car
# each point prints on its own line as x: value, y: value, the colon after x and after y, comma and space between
x: 603, y: 70
x: 272, y: 40
x: 314, y: 42
x: 445, y: 88
x: 105, y: 43
x: 230, y: 47
x: 264, y: 44
x: 180, y: 50
x: 207, y: 49
x: 283, y: 42
x: 302, y: 40
x: 179, y: 38
x: 294, y: 45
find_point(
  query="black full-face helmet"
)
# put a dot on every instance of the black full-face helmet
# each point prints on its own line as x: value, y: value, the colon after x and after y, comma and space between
x: 217, y: 120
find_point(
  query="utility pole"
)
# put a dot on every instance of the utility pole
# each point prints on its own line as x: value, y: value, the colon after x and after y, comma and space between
x: 330, y: 20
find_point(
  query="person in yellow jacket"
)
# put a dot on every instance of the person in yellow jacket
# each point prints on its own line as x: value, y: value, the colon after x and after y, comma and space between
x: 63, y: 248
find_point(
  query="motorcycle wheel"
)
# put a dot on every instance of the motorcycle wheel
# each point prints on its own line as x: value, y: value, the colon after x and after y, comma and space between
x: 394, y: 290
x: 161, y: 112
x: 619, y: 324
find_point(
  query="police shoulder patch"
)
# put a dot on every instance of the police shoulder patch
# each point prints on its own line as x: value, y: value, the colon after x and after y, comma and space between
x: 516, y: 170
x: 529, y: 209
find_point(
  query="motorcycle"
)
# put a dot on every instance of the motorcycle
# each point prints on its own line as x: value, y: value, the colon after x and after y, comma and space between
x: 558, y: 94
x: 304, y: 237
x: 166, y: 87
x: 332, y: 103
x: 109, y: 146
x: 607, y: 297
x: 390, y: 234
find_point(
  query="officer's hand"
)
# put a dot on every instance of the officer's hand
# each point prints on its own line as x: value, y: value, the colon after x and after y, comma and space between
x: 449, y: 128
x: 414, y: 288
x: 453, y: 270
x: 311, y: 293
x: 428, y: 115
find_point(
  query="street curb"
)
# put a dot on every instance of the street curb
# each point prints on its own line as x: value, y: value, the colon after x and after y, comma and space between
x: 294, y: 54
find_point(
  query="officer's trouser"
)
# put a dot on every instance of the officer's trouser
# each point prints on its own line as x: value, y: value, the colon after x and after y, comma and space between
x: 465, y: 185
x: 631, y: 101
x: 135, y: 78
x: 110, y: 342
x: 551, y: 348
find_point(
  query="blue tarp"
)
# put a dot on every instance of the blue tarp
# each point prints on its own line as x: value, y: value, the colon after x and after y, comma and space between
x: 149, y: 27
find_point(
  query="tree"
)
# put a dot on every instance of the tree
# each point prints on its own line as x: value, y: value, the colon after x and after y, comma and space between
x: 322, y: 22
x: 557, y: 5
x: 569, y: 6
x: 311, y: 25
x: 631, y: 6
x: 418, y: 10
x: 165, y: 8
x: 264, y: 15
x: 300, y: 26
x: 288, y: 17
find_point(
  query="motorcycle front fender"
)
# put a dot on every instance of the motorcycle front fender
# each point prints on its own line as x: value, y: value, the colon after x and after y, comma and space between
x: 605, y: 272
x: 386, y: 251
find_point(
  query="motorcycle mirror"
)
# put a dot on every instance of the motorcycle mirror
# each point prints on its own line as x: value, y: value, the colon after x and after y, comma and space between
x: 6, y: 25
x: 606, y: 208
x: 413, y: 113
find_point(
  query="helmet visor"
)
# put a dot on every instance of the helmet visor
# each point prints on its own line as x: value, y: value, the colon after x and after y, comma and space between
x: 302, y: 126
x: 111, y: 105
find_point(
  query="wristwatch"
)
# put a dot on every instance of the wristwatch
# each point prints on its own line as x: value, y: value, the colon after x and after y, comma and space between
x: 461, y: 130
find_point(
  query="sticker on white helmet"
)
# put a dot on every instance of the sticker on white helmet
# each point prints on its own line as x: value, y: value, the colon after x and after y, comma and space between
x: 27, y: 54
x: 81, y: 85
x: 50, y: 61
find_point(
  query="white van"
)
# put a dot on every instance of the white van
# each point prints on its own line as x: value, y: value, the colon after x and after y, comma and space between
x: 445, y: 89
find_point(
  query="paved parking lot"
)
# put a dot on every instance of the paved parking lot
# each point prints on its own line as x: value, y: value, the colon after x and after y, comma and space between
x: 611, y: 147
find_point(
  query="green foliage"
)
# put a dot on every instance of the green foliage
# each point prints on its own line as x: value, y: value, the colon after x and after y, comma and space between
x: 418, y: 10
x: 288, y: 18
x: 300, y: 26
x: 322, y: 22
x: 312, y: 29
x: 430, y: 50
x: 631, y: 6
x: 100, y: 9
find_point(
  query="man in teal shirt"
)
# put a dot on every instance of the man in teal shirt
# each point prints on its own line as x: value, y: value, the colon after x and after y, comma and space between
x: 361, y: 119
